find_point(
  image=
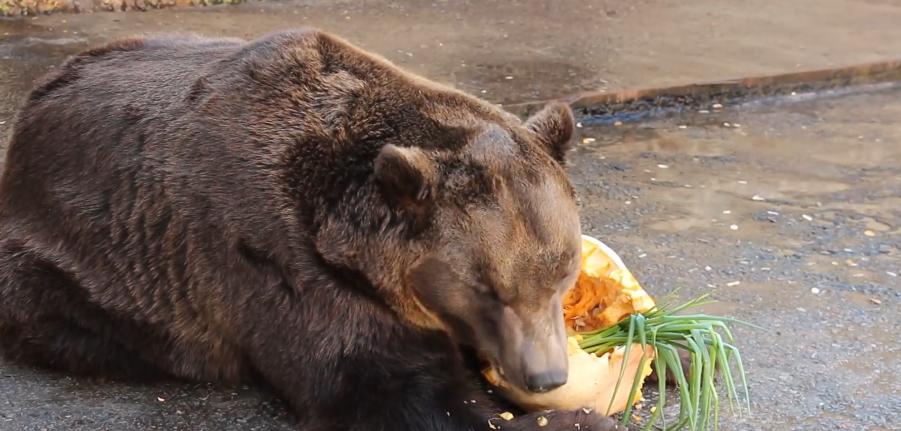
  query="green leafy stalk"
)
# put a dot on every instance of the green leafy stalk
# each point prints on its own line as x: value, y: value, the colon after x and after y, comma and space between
x: 709, y: 343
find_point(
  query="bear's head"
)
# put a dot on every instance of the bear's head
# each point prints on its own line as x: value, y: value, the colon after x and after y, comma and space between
x: 500, y: 241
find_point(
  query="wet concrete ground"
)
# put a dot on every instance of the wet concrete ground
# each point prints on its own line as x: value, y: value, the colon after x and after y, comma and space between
x: 515, y: 51
x: 799, y: 204
x: 792, y: 218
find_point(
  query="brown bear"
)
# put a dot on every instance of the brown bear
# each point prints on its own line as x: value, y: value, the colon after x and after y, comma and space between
x: 291, y: 209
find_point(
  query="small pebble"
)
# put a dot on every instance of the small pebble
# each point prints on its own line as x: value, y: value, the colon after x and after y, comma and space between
x: 663, y: 166
x: 757, y: 198
x: 814, y: 290
x: 683, y: 127
x: 742, y: 182
x: 733, y: 283
x: 717, y: 106
x: 725, y: 124
x: 703, y: 111
x: 727, y: 212
x: 807, y: 217
x: 618, y: 123
x: 869, y: 233
x: 734, y: 227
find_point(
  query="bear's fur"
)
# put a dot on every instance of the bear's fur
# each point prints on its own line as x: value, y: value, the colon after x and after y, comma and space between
x: 294, y: 209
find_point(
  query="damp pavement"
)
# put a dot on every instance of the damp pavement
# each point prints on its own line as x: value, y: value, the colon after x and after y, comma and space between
x: 789, y: 215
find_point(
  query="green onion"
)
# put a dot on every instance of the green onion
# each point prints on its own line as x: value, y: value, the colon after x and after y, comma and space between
x: 709, y: 343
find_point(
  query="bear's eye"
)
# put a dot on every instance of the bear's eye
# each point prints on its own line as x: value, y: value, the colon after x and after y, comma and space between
x: 487, y: 292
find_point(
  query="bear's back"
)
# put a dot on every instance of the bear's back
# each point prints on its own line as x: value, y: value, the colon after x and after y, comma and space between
x: 99, y: 115
x: 138, y: 152
x: 101, y: 173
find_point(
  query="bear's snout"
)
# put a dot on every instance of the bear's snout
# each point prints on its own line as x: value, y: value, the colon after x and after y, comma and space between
x: 546, y: 381
x: 545, y: 364
x: 536, y: 347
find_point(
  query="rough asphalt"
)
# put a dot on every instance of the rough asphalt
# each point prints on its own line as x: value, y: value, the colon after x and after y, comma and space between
x: 799, y: 204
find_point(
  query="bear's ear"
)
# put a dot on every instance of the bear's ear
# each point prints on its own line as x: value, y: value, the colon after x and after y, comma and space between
x: 407, y: 176
x: 554, y: 126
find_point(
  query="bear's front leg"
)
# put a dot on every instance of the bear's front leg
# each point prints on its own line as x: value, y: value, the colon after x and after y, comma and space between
x: 562, y: 420
x: 482, y: 412
x: 347, y: 363
x: 455, y: 403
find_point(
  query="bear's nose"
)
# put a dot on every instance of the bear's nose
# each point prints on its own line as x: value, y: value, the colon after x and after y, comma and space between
x: 544, y: 382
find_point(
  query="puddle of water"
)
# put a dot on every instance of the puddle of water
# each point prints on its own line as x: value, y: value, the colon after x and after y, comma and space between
x: 731, y: 172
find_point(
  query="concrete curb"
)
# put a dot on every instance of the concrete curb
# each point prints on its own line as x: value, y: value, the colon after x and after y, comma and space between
x: 635, y: 105
x: 11, y: 8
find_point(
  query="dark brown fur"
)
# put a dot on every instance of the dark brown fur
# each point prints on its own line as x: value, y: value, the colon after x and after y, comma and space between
x: 292, y: 207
